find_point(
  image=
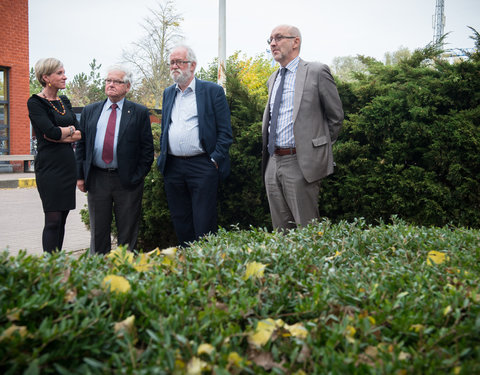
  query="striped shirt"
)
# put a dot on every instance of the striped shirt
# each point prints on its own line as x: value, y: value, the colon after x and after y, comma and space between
x: 284, y: 137
x: 183, y: 134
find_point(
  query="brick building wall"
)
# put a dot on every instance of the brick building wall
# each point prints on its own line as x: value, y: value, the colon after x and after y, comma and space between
x: 14, y: 56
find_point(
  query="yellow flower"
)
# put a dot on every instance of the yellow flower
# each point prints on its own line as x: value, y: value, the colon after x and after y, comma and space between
x: 234, y: 359
x: 263, y: 332
x: 195, y: 366
x: 297, y: 330
x: 436, y: 257
x: 205, y: 349
x: 120, y: 256
x: 116, y: 283
x: 169, y: 252
x: 142, y: 264
x: 350, y: 333
x: 417, y: 327
x: 447, y: 310
x: 8, y: 333
x: 127, y: 325
x: 254, y: 270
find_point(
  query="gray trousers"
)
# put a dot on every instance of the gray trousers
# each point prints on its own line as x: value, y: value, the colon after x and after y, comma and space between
x: 106, y: 195
x: 293, y: 201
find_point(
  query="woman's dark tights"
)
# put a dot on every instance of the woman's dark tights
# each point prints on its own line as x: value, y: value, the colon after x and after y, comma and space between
x: 54, y: 230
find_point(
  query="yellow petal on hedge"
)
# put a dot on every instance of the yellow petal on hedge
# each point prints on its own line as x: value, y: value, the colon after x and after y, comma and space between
x: 169, y: 252
x: 154, y: 252
x: 70, y: 296
x: 13, y: 314
x: 262, y: 333
x: 457, y: 370
x: 350, y: 333
x: 254, y: 270
x: 205, y: 349
x: 142, y: 263
x: 195, y: 366
x: 337, y: 253
x: 10, y: 331
x: 372, y: 320
x: 447, y: 310
x: 120, y: 256
x: 436, y: 257
x: 125, y: 326
x: 116, y: 283
x: 403, y: 356
x: 234, y: 359
x: 417, y: 327
x: 297, y: 330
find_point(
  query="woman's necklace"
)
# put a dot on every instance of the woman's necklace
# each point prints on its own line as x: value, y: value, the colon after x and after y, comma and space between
x: 55, y: 108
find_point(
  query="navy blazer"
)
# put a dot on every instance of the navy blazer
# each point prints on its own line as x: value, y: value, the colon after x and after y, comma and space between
x: 134, y: 144
x: 215, y: 130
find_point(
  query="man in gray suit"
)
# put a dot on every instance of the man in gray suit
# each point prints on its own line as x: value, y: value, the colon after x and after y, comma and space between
x: 301, y: 121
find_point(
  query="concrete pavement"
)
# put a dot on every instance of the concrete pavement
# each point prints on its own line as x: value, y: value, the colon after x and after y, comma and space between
x: 22, y: 219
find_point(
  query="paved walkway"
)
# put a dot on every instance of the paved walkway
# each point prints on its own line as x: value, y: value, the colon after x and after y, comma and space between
x: 22, y: 219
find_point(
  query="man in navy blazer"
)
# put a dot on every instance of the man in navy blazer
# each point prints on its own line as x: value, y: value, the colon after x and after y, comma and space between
x: 196, y: 137
x: 113, y: 158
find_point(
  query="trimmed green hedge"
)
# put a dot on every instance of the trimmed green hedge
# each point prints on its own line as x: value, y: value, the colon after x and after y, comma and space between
x: 410, y: 145
x: 328, y: 298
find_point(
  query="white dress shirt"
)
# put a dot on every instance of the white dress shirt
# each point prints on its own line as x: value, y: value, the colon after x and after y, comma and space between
x: 183, y: 133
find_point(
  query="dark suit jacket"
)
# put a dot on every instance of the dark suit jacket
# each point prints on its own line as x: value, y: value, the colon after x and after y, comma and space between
x: 134, y: 144
x: 317, y: 119
x: 215, y: 130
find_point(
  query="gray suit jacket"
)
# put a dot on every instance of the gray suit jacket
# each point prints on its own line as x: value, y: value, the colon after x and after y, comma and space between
x: 317, y: 119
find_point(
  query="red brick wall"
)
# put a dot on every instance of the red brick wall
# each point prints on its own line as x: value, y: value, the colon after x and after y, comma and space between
x: 14, y: 55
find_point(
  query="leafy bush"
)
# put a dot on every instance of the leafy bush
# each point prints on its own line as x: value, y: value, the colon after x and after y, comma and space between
x: 328, y: 298
x: 410, y: 144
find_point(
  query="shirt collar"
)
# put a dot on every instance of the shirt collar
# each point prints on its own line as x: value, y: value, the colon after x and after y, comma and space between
x: 293, y: 65
x: 120, y: 103
x: 190, y: 87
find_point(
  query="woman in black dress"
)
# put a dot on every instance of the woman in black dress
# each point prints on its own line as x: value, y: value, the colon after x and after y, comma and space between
x: 55, y: 125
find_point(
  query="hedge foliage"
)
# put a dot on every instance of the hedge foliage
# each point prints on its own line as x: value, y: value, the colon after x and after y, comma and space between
x: 411, y: 143
x: 327, y: 298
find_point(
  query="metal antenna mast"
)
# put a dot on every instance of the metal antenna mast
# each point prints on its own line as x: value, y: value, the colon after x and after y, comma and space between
x: 438, y: 21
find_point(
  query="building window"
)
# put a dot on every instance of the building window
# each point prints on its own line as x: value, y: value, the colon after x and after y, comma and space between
x: 4, y: 121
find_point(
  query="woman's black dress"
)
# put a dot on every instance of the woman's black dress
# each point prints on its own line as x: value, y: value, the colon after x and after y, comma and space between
x: 55, y: 167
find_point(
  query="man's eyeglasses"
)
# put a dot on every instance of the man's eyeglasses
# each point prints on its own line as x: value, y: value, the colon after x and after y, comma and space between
x: 278, y: 38
x: 108, y: 81
x: 178, y: 62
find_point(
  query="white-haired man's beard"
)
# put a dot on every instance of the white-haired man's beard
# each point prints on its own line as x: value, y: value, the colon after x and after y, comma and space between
x: 181, y: 78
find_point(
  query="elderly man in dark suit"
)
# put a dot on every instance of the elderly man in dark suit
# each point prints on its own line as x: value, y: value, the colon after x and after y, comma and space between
x: 196, y: 137
x: 113, y: 158
x: 301, y: 121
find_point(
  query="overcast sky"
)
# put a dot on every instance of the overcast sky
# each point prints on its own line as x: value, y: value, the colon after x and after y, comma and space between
x: 77, y: 31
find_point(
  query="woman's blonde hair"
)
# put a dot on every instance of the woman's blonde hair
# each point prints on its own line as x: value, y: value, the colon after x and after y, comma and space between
x: 46, y: 67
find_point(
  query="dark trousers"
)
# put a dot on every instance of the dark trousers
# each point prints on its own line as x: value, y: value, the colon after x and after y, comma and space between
x: 191, y: 187
x: 106, y: 194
